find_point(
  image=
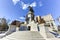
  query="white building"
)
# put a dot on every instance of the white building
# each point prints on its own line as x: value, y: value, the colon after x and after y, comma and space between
x: 40, y: 28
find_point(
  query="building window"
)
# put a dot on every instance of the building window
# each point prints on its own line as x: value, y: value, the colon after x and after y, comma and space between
x: 52, y: 24
x: 29, y: 27
x: 58, y: 27
x: 38, y: 28
x: 23, y: 28
x: 47, y: 25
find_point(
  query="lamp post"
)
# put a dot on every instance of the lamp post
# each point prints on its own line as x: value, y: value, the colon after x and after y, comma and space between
x: 59, y: 19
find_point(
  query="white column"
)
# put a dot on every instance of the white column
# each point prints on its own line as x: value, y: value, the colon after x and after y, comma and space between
x: 17, y: 28
x: 42, y: 30
x: 33, y: 26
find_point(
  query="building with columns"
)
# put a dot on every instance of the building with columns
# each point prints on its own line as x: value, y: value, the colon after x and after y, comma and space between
x: 34, y: 28
x: 30, y: 15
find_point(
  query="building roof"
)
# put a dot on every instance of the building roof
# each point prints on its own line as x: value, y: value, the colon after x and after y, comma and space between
x: 47, y: 17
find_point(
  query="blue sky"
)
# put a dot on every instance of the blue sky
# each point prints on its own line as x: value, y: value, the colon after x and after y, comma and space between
x: 15, y: 9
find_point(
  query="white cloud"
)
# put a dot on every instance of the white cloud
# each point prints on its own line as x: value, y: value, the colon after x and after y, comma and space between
x: 15, y: 1
x: 33, y: 4
x: 24, y: 6
x: 21, y: 18
x: 40, y: 4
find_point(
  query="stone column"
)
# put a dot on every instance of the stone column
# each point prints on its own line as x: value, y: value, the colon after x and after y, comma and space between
x: 17, y: 28
x: 33, y: 26
x: 42, y: 30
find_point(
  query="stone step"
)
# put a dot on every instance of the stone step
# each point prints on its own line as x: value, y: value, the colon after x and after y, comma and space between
x: 50, y: 35
x: 25, y: 35
x: 20, y: 39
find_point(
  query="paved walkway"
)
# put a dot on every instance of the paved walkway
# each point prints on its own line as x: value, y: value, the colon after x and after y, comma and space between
x: 24, y: 35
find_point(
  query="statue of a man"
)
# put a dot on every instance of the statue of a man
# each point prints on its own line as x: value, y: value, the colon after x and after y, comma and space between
x: 31, y: 9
